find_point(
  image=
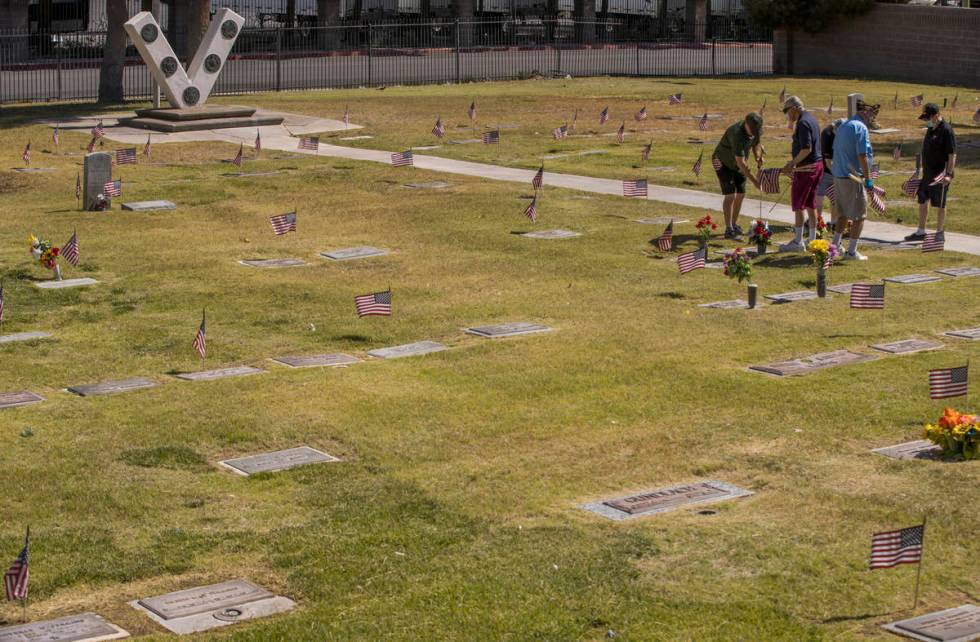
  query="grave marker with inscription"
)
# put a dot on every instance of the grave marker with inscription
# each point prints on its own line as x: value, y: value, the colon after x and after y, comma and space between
x: 317, y: 360
x: 508, y: 329
x: 907, y: 346
x: 788, y: 297
x: 272, y: 263
x: 220, y: 373
x: 408, y: 350
x: 148, y: 206
x: 111, y: 387
x: 351, y: 253
x: 660, y: 220
x: 960, y: 624
x: 969, y: 333
x: 666, y: 499
x: 23, y: 336
x: 920, y: 449
x: 551, y: 234
x: 66, y: 283
x: 913, y: 278
x: 966, y: 270
x: 806, y: 365
x: 429, y: 184
x: 16, y: 399
x: 734, y: 304
x: 844, y: 288
x: 276, y: 461
x: 85, y: 627
x: 98, y: 172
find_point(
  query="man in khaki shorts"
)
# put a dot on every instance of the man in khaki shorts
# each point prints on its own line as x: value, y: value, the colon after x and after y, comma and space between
x: 852, y: 176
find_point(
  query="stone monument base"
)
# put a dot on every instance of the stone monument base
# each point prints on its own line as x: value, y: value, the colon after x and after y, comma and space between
x: 198, y: 118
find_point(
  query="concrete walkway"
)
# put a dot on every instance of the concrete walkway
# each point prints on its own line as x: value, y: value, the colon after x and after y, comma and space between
x: 279, y: 138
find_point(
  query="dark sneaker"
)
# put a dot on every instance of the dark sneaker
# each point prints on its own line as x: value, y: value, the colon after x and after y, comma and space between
x: 738, y: 230
x: 916, y: 236
x: 733, y: 235
x: 940, y: 236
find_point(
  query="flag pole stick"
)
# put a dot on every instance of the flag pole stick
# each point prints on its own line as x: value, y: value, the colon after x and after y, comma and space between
x: 27, y: 541
x: 918, y: 571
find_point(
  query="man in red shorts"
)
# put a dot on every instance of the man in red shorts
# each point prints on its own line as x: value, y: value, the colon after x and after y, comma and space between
x: 806, y: 168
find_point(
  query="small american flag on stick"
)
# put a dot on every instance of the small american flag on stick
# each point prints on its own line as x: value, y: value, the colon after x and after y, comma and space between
x: 15, y: 580
x: 703, y: 123
x: 769, y: 180
x: 935, y: 242
x: 55, y: 136
x: 200, y: 340
x: 911, y: 186
x: 675, y: 99
x: 917, y: 100
x: 491, y: 137
x: 27, y: 153
x: 637, y: 188
x: 559, y: 133
x: 112, y: 188
x: 878, y: 199
x: 575, y: 119
x: 665, y: 242
x: 762, y: 110
x: 240, y: 156
x: 782, y: 95
x: 952, y: 105
x: 948, y: 382
x: 976, y: 116
x: 645, y: 156
x: 642, y: 114
x: 91, y: 146
x: 258, y: 141
x: 897, y: 152
x: 692, y: 260
x: 1, y: 301
x: 538, y: 180
x: 146, y: 147
x: 309, y: 142
x: 70, y: 250
x: 865, y: 296
x: 346, y: 115
x: 98, y: 131
x: 283, y: 223
x: 126, y: 156
x: 471, y: 112
x: 531, y: 211
x: 604, y: 116
x: 830, y: 107
x: 78, y: 186
x: 891, y: 548
x: 402, y: 159
x: 438, y: 130
x: 939, y: 178
x: 621, y: 132
x: 377, y: 304
x: 715, y: 163
x: 697, y: 164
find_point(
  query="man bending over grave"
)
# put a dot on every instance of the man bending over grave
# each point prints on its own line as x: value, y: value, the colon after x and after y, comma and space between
x: 806, y: 170
x: 938, y: 163
x: 852, y: 176
x: 732, y: 153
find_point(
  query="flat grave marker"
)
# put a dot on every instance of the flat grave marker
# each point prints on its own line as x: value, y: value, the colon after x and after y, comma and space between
x: 220, y: 373
x: 84, y: 627
x: 960, y: 624
x: 843, y: 288
x: 272, y: 263
x: 882, y: 244
x: 587, y: 152
x: 666, y: 499
x: 789, y: 297
x: 508, y: 329
x: 913, y: 278
x: 715, y: 265
x: 885, y: 130
x: 317, y: 360
x: 464, y: 141
x: 806, y: 365
x: 16, y: 399
x: 361, y: 137
x: 425, y: 148
x: 23, y: 336
x: 350, y: 253
x: 66, y: 283
x: 33, y: 170
x: 660, y: 220
x: 148, y: 206
x: 734, y: 304
x: 429, y: 184
x: 966, y: 270
x: 970, y: 333
x: 111, y: 387
x: 276, y: 461
x: 907, y: 346
x: 207, y: 607
x: 919, y: 449
x: 551, y: 234
x: 408, y: 350
x: 246, y: 174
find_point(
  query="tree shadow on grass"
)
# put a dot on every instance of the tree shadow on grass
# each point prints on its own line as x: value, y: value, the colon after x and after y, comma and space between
x: 863, y: 616
x: 353, y: 338
x: 788, y: 261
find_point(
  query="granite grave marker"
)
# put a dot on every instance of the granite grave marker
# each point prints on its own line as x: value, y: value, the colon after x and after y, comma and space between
x: 965, y: 270
x: 508, y: 329
x: 85, y: 627
x: 111, y: 387
x: 66, y: 283
x: 276, y: 461
x: 919, y: 449
x: 220, y: 373
x: 272, y: 263
x: 23, y: 336
x: 907, y: 346
x: 734, y: 304
x: 806, y: 365
x: 98, y: 172
x: 788, y: 297
x: 350, y: 253
x: 408, y: 350
x: 913, y: 278
x: 970, y: 333
x: 148, y: 206
x: 317, y: 360
x: 666, y: 499
x: 551, y: 234
x: 960, y: 624
x: 15, y: 399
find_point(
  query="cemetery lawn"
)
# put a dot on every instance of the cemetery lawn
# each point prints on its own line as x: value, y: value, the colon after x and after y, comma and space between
x: 454, y: 514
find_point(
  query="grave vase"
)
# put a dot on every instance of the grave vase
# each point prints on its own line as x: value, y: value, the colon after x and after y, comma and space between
x: 57, y: 272
x: 760, y: 248
x: 753, y: 295
x: 821, y: 282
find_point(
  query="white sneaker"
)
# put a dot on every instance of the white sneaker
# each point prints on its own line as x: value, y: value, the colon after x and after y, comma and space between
x: 855, y: 256
x: 792, y: 246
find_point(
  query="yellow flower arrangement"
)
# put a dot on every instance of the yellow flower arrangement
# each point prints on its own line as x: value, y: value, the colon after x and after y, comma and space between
x: 956, y: 433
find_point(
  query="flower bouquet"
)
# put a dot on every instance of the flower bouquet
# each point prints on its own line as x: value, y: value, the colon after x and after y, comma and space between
x: 824, y: 252
x: 737, y: 265
x: 957, y: 434
x: 45, y: 254
x: 704, y: 227
x: 760, y: 235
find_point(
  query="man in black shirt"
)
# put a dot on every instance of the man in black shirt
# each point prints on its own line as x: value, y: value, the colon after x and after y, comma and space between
x: 938, y: 164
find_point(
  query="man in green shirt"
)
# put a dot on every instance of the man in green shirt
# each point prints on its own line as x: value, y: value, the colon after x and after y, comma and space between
x: 730, y: 164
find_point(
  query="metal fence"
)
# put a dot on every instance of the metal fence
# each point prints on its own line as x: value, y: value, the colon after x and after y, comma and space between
x: 38, y: 67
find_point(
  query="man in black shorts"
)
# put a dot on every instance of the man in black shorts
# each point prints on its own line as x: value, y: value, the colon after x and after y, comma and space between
x: 731, y: 154
x: 938, y: 163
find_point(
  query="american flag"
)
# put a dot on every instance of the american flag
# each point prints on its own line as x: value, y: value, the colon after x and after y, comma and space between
x: 91, y: 146
x: 377, y: 304
x: 346, y: 116
x: 911, y: 186
x: 715, y: 163
x: 55, y: 137
x: 865, y: 296
x: 240, y: 156
x: 438, y: 130
x: 200, y: 340
x: 665, y: 242
x: 976, y: 116
x: 112, y: 188
x: 940, y: 177
x: 538, y: 179
x: 621, y: 132
x: 490, y: 138
x: 675, y: 99
x: 917, y: 100
x: 560, y: 132
x: 604, y: 116
x: 70, y: 250
x: 146, y: 147
x: 703, y: 123
x: 646, y: 151
x: 831, y: 193
x: 283, y: 223
x: 472, y: 111
x: 952, y: 106
x: 877, y: 199
x: 769, y: 180
x: 15, y: 579
x: 575, y: 119
x: 895, y: 101
x: 948, y: 382
x: 78, y: 186
x: 309, y: 142
x: 762, y: 109
x: 934, y: 242
x: 126, y: 156
x: 897, y: 152
x: 635, y: 188
x: 830, y: 107
x: 642, y: 114
x: 892, y: 548
x: 27, y: 153
x: 692, y: 260
x: 401, y: 159
x: 531, y: 211
x: 782, y: 95
x: 98, y: 131
x: 875, y: 171
x: 697, y: 164
x: 258, y: 141
x: 1, y: 300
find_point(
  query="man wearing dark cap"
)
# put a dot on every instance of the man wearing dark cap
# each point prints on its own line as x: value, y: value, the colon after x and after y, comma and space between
x: 938, y: 163
x: 852, y: 176
x: 732, y: 153
x: 806, y: 170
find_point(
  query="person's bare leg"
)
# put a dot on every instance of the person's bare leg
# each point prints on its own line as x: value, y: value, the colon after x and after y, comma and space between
x: 726, y: 207
x: 812, y: 217
x: 923, y: 216
x: 940, y: 219
x: 736, y: 208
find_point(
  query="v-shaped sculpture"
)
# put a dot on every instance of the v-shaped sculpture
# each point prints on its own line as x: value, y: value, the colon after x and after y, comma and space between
x: 192, y: 87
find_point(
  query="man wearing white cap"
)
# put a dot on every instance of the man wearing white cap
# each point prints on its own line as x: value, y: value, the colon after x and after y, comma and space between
x: 806, y: 170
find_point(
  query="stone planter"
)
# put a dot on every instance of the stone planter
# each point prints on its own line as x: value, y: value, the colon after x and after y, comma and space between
x: 821, y: 283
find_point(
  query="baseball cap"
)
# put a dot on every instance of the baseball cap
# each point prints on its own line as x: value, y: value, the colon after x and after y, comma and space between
x: 792, y: 101
x: 754, y: 120
x: 928, y: 111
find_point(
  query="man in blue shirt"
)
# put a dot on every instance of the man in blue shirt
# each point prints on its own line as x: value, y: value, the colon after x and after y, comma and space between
x: 852, y: 176
x: 806, y: 170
